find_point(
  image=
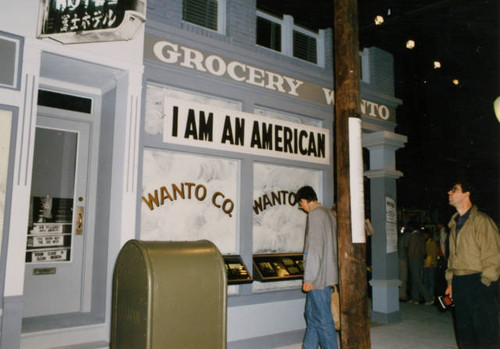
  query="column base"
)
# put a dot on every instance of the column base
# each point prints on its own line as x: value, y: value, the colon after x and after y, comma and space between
x: 386, y: 318
x: 385, y: 301
x: 11, y: 322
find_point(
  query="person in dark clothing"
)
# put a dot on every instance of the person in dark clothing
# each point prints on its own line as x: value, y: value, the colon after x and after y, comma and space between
x: 416, y: 254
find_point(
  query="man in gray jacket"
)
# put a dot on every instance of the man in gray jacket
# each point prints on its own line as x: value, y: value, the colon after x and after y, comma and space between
x: 320, y: 270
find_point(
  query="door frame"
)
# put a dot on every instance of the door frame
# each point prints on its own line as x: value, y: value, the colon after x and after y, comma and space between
x: 75, y: 266
x: 94, y: 121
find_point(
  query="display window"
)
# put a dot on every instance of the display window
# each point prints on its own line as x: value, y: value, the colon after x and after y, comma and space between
x: 190, y: 197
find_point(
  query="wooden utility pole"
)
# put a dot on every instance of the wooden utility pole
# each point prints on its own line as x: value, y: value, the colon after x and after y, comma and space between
x: 355, y: 325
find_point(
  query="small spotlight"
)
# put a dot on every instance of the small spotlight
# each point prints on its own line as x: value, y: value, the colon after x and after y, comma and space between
x: 379, y: 20
x: 456, y: 82
x: 437, y: 64
x: 410, y: 44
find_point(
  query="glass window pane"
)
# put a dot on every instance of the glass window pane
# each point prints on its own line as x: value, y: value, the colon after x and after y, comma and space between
x: 268, y: 34
x: 304, y: 47
x: 54, y: 163
x: 200, y: 12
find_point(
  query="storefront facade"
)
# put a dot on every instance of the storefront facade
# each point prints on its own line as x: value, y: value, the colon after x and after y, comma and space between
x: 70, y: 198
x: 186, y: 130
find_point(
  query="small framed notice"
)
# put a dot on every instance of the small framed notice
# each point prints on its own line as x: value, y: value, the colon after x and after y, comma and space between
x: 390, y: 225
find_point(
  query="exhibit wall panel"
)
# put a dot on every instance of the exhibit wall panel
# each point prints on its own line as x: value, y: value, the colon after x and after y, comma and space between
x: 8, y: 125
x: 259, y: 320
x: 5, y: 127
x: 187, y: 195
x: 190, y: 197
x: 279, y: 224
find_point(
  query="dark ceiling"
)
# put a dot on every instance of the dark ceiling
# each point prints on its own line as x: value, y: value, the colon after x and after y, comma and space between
x: 452, y: 130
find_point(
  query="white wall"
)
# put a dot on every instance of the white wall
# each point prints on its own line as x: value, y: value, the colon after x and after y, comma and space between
x: 258, y: 320
x: 21, y: 17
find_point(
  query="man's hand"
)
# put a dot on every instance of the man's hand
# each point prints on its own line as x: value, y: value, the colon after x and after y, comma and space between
x: 449, y: 292
x: 306, y: 287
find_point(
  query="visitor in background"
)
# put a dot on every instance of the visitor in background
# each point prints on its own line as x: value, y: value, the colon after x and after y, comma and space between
x: 430, y: 263
x: 416, y: 254
x: 403, y: 243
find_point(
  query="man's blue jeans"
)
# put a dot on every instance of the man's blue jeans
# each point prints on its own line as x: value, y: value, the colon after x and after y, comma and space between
x: 320, y: 328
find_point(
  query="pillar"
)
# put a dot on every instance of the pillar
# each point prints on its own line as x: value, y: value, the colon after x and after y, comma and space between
x: 385, y: 281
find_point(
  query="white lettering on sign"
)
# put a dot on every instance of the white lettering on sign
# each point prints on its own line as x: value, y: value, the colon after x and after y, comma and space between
x: 368, y: 108
x: 279, y: 197
x: 193, y: 124
x: 193, y: 59
x: 374, y: 110
x: 329, y: 96
x: 185, y: 190
x: 172, y: 53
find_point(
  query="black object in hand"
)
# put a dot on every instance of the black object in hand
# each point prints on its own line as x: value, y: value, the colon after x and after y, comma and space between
x: 445, y: 302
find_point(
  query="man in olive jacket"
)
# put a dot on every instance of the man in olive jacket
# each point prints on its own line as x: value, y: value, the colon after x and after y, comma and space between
x: 473, y: 271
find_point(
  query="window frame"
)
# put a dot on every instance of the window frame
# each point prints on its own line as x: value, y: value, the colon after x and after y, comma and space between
x: 221, y: 18
x: 306, y: 33
x: 273, y: 20
x: 287, y: 29
x: 364, y: 56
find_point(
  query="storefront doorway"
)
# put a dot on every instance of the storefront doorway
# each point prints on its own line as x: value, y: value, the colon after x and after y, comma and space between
x: 74, y: 195
x: 59, y: 229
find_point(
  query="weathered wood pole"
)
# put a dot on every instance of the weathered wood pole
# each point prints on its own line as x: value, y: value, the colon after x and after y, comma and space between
x: 355, y: 325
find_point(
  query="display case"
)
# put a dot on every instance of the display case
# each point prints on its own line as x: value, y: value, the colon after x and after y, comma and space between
x: 237, y: 271
x: 50, y: 230
x: 277, y: 267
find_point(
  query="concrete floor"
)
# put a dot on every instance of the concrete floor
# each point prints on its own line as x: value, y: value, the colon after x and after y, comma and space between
x: 422, y: 327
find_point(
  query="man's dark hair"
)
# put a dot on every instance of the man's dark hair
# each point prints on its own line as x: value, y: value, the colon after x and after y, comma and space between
x: 306, y: 193
x: 411, y: 225
x: 426, y: 231
x: 466, y: 186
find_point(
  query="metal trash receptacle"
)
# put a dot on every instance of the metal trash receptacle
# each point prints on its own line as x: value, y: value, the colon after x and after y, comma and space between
x: 169, y: 295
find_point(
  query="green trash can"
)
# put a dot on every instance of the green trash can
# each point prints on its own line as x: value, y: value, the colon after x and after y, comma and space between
x: 169, y: 295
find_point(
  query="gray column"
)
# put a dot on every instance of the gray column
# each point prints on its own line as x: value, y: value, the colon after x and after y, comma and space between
x: 383, y: 174
x: 11, y: 322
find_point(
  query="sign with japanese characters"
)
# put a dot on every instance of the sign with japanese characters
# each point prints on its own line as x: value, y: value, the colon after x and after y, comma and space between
x: 71, y: 21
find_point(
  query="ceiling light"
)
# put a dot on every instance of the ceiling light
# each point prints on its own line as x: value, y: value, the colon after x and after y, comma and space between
x: 437, y: 64
x: 456, y: 82
x: 379, y: 20
x: 410, y: 44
